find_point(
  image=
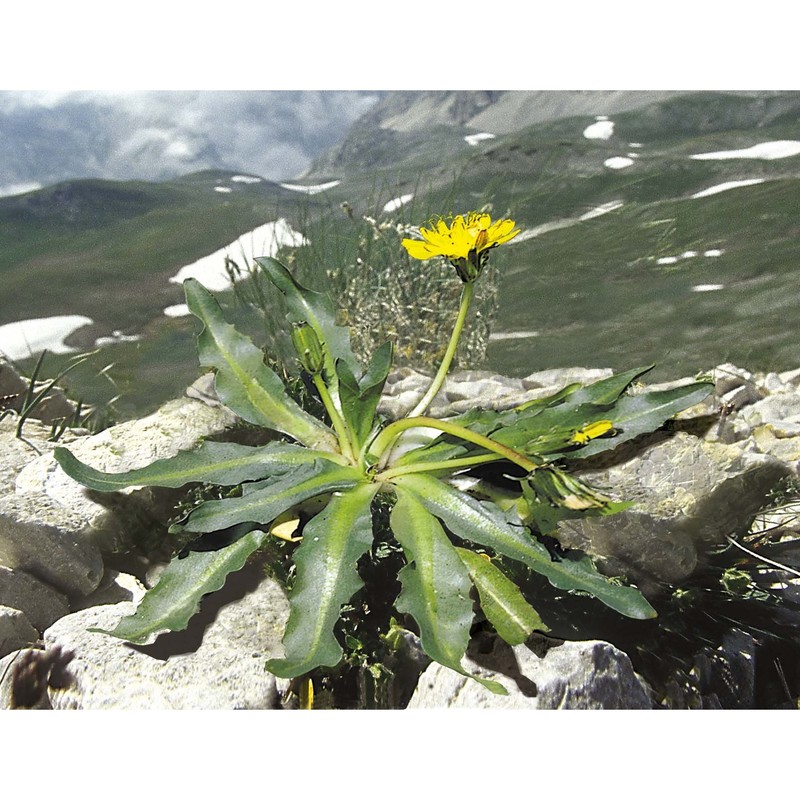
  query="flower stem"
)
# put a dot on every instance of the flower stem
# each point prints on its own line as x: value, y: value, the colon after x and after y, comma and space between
x: 383, y: 442
x: 338, y: 423
x: 453, y: 464
x: 433, y: 389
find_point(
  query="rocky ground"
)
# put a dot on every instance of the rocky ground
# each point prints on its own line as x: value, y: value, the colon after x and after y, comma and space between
x: 71, y: 560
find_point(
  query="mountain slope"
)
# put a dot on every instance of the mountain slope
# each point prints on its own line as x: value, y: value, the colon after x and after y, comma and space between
x: 633, y: 248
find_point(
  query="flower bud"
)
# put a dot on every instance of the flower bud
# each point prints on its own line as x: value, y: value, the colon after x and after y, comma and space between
x: 309, y: 349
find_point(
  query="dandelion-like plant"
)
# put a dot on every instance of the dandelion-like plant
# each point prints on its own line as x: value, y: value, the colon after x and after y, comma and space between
x: 453, y: 541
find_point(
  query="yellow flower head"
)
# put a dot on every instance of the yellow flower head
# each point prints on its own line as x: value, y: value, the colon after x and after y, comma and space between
x: 591, y: 431
x: 465, y: 242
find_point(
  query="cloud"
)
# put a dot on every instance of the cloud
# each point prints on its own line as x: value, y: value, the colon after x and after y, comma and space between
x: 152, y: 135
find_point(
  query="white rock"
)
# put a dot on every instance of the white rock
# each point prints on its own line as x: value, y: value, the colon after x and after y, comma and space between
x: 115, y: 587
x: 572, y: 675
x: 217, y: 663
x: 41, y: 604
x: 15, y: 630
x: 741, y: 396
x: 781, y: 412
x: 688, y: 495
x: 772, y: 383
x: 109, y: 520
x: 556, y: 379
x: 729, y: 376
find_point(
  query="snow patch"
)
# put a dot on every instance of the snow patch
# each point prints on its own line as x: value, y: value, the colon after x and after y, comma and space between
x: 398, y: 202
x: 723, y: 187
x: 11, y: 189
x: 245, y: 179
x: 499, y: 337
x: 606, y: 208
x: 223, y: 189
x: 618, y: 162
x: 262, y: 241
x: 538, y: 230
x: 115, y: 338
x: 602, y: 129
x: 708, y: 287
x: 321, y: 187
x: 179, y: 310
x: 474, y: 138
x: 27, y: 337
x: 634, y: 144
x: 764, y: 150
x: 688, y: 254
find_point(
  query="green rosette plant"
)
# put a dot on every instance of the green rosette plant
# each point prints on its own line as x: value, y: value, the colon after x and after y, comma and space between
x: 351, y: 460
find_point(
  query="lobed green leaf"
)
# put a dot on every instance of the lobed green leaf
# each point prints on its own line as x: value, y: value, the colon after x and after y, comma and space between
x: 326, y: 579
x: 435, y: 585
x: 262, y: 501
x: 631, y: 416
x: 485, y: 524
x: 316, y: 309
x: 502, y: 602
x: 607, y: 391
x: 171, y: 603
x: 220, y: 463
x: 634, y: 415
x: 360, y: 397
x: 541, y: 427
x: 243, y: 382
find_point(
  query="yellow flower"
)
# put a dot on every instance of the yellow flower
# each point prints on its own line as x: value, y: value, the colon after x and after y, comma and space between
x: 591, y: 431
x: 465, y: 242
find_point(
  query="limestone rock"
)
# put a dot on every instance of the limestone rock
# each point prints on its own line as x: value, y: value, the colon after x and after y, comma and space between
x: 216, y: 663
x: 790, y: 377
x: 688, y: 494
x: 47, y: 540
x: 33, y: 536
x: 15, y: 631
x: 177, y: 425
x: 772, y: 383
x: 722, y: 678
x: 557, y: 379
x: 781, y: 412
x: 52, y: 527
x: 41, y: 604
x: 728, y: 377
x: 17, y: 453
x: 116, y: 587
x: 572, y: 675
x: 54, y: 406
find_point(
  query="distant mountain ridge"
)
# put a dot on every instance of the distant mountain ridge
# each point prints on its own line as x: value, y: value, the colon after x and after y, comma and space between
x: 500, y: 111
x: 399, y: 119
